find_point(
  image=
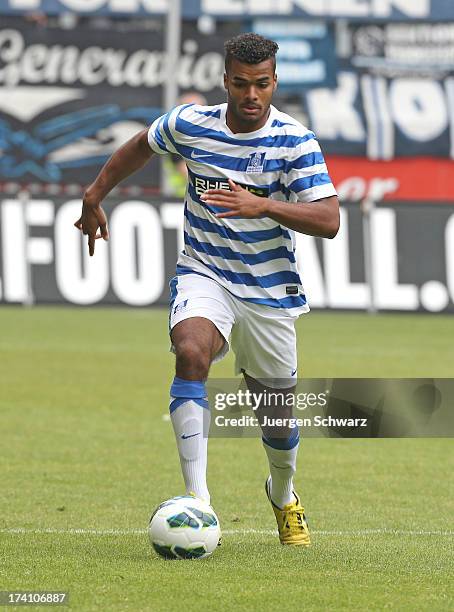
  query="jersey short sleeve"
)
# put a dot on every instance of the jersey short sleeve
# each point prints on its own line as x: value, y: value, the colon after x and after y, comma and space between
x: 161, y: 134
x: 306, y: 172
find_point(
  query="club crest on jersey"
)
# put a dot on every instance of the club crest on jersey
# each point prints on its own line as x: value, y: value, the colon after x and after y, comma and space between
x: 256, y: 161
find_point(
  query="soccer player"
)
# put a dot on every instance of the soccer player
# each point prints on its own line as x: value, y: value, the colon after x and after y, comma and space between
x: 255, y: 176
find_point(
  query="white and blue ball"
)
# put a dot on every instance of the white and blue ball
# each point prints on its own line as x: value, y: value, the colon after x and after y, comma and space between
x: 184, y: 528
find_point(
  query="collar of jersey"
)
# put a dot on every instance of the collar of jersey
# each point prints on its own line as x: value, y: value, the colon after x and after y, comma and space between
x: 245, y: 135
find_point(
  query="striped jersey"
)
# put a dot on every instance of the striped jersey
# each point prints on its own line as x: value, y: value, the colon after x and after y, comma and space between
x: 254, y: 259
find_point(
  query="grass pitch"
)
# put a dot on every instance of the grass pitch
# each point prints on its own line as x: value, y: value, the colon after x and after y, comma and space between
x: 86, y: 453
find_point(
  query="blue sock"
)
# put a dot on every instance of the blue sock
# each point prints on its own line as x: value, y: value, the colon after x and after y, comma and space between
x: 282, y: 453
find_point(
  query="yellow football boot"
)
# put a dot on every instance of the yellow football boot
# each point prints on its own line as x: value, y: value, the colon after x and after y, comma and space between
x: 291, y: 521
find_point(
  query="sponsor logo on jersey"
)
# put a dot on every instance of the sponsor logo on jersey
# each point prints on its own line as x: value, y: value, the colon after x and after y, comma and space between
x: 203, y: 183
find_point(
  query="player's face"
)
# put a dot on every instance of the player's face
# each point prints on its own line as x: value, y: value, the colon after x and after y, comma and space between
x: 250, y: 88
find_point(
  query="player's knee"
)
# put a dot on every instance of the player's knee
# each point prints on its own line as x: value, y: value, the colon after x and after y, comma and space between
x: 192, y: 359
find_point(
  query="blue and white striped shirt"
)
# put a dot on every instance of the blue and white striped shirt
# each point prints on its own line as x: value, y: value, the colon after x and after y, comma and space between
x: 254, y: 259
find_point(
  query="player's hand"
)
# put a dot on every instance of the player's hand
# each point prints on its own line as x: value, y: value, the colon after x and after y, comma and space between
x: 92, y: 219
x: 239, y: 201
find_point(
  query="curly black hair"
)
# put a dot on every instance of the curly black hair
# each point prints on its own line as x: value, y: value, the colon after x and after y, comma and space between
x: 250, y: 48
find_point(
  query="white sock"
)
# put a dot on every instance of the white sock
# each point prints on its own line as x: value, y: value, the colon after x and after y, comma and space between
x: 282, y: 468
x: 190, y: 422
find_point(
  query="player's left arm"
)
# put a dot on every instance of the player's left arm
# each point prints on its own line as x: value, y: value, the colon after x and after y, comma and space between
x: 317, y: 218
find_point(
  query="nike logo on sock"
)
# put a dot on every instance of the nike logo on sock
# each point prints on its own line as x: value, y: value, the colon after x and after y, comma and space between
x: 185, y: 437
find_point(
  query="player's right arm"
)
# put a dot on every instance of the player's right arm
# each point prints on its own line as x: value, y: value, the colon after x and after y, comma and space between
x: 129, y: 158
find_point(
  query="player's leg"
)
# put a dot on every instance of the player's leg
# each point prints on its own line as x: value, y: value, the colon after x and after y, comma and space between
x: 196, y: 341
x: 264, y: 342
x: 280, y: 442
x: 200, y: 325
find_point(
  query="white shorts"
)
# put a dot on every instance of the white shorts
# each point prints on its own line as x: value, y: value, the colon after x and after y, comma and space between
x: 263, y: 338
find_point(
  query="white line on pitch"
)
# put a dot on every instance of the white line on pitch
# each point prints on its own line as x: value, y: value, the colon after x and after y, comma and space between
x: 107, y: 532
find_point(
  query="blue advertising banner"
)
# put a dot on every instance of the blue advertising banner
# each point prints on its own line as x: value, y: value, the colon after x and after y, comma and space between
x: 70, y: 98
x: 307, y: 52
x: 399, y: 10
x: 382, y: 116
x: 394, y: 95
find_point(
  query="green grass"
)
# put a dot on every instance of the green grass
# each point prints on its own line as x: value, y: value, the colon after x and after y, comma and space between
x: 84, y: 446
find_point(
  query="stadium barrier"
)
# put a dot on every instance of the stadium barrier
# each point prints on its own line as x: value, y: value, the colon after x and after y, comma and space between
x: 390, y: 256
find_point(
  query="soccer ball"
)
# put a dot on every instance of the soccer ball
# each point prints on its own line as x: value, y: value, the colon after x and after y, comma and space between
x: 184, y: 528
